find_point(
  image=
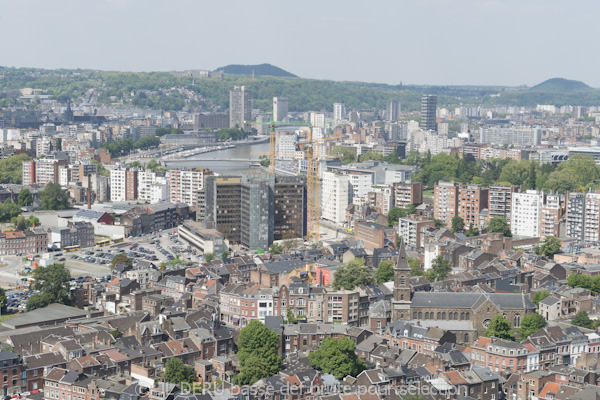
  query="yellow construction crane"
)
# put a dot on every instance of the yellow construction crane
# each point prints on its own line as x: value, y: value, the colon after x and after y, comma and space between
x: 272, y: 125
x: 313, y: 175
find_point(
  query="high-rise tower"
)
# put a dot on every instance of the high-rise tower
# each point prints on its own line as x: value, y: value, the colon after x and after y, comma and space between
x: 240, y: 108
x: 280, y: 109
x: 428, y: 109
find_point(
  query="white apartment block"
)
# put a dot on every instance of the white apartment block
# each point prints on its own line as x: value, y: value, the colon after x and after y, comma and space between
x: 317, y: 119
x: 159, y: 191
x: 286, y: 146
x: 339, y: 112
x: 44, y: 170
x: 510, y: 136
x: 43, y: 147
x: 591, y: 232
x: 118, y: 184
x: 184, y: 186
x: 145, y: 180
x: 525, y: 213
x: 335, y: 196
x: 361, y: 185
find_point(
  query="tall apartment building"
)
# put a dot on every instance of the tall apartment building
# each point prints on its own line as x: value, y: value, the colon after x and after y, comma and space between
x: 428, y: 112
x: 500, y: 201
x: 123, y: 184
x: 335, y: 196
x: 409, y: 229
x: 445, y: 201
x: 280, y: 109
x: 240, y: 107
x: 511, y: 136
x: 339, y: 112
x: 145, y: 181
x: 42, y: 171
x: 28, y: 172
x: 393, y: 110
x: 551, y: 216
x: 591, y: 232
x: 408, y: 192
x: 131, y: 184
x: 525, y: 213
x: 185, y: 184
x: 361, y: 185
x: 576, y: 215
x: 472, y: 199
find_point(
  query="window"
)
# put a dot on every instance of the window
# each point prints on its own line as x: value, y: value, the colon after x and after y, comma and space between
x: 517, y: 323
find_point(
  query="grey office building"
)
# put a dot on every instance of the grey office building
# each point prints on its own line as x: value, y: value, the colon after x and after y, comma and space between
x: 255, y: 208
x: 428, y: 111
x: 393, y: 110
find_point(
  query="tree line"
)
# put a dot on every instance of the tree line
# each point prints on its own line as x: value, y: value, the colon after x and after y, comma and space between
x: 579, y: 173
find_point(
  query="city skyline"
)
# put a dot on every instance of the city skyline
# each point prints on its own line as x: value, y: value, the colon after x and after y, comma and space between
x: 433, y: 42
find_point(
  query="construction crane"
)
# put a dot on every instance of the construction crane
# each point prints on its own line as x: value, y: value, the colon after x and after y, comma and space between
x: 272, y: 125
x: 313, y: 175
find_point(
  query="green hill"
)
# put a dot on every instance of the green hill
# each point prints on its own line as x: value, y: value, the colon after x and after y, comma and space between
x: 561, y: 85
x: 259, y: 70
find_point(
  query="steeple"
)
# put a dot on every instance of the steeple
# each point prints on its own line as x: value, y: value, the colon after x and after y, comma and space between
x: 402, y: 289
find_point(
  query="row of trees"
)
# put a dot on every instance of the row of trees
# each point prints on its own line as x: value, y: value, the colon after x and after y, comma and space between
x: 168, y: 131
x: 123, y: 147
x: 580, y: 172
x: 591, y: 283
x: 232, y: 133
x: 501, y: 328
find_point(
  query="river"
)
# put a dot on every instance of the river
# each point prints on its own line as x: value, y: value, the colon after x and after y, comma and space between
x: 222, y: 166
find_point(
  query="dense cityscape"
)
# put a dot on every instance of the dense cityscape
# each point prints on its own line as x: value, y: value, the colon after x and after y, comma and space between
x: 244, y: 233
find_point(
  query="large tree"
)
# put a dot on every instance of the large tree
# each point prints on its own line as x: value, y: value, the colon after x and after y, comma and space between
x: 499, y: 225
x: 549, y: 247
x: 257, y: 341
x: 458, y: 224
x: 353, y: 274
x: 121, y: 258
x: 500, y: 327
x: 440, y: 268
x: 415, y: 267
x: 9, y: 210
x: 583, y: 320
x: 337, y: 357
x: 53, y: 283
x: 24, y: 198
x: 539, y: 296
x: 177, y: 372
x: 54, y: 198
x: 530, y: 324
x: 385, y: 272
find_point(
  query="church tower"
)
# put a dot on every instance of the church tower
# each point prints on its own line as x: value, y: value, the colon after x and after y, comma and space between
x: 402, y: 293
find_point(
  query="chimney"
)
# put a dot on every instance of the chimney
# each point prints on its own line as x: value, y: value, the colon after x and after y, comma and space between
x: 89, y: 192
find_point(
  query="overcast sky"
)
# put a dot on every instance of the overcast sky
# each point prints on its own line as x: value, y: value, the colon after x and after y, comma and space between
x: 492, y: 42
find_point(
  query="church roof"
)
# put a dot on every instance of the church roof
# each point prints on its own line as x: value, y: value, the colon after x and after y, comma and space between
x: 470, y: 300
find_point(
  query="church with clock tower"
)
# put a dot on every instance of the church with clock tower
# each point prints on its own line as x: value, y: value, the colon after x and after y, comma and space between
x: 466, y: 314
